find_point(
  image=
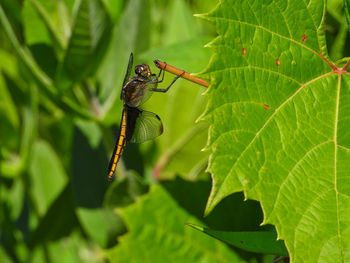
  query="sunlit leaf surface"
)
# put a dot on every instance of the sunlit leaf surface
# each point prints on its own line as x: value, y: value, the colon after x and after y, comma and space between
x: 279, y: 114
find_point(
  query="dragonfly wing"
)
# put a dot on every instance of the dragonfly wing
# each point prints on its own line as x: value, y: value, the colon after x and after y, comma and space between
x: 137, y: 92
x: 145, y: 89
x: 147, y: 93
x: 142, y: 125
x: 128, y: 71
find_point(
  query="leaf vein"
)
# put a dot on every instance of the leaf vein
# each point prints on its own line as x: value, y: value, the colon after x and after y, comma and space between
x: 335, y: 164
x: 268, y: 121
x: 284, y: 19
x: 343, y: 147
x: 313, y: 21
x: 258, y: 68
x: 313, y: 148
x: 306, y: 209
x: 269, y: 31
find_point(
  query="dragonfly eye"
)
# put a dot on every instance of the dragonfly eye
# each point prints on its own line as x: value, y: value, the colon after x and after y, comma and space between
x: 139, y: 69
x: 142, y: 70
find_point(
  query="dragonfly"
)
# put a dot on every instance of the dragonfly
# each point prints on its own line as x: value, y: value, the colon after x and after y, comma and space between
x: 137, y: 125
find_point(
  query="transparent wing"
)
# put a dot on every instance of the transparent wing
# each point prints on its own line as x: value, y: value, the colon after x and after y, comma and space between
x: 128, y: 71
x: 142, y: 125
x: 138, y: 91
x: 146, y: 92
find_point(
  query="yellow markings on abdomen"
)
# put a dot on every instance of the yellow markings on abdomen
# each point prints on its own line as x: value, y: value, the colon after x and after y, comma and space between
x: 119, y: 147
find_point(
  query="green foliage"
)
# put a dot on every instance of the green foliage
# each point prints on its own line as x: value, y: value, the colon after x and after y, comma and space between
x: 278, y: 110
x: 169, y: 238
x: 275, y: 107
x: 258, y: 242
x: 347, y: 11
x: 45, y: 189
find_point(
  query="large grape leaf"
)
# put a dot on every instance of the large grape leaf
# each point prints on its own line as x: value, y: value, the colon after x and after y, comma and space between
x: 279, y: 113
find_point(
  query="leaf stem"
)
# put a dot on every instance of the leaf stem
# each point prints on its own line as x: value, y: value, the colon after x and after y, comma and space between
x: 333, y: 67
x: 346, y: 66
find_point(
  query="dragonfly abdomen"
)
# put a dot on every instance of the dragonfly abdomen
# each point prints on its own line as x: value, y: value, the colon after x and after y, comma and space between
x: 119, y: 146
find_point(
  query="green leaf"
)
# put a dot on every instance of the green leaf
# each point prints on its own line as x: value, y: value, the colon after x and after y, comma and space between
x: 58, y: 222
x: 89, y: 184
x: 47, y: 175
x: 114, y: 8
x: 336, y: 29
x: 12, y: 8
x: 157, y: 234
x: 14, y: 197
x: 35, y: 30
x: 279, y: 123
x: 88, y: 41
x: 347, y: 11
x: 29, y: 128
x: 25, y: 55
x: 192, y: 196
x: 8, y: 115
x: 121, y: 193
x: 91, y: 130
x: 47, y: 22
x: 180, y: 24
x: 42, y: 79
x: 94, y: 223
x: 73, y: 249
x: 4, y: 257
x: 125, y: 191
x: 89, y: 172
x: 14, y: 165
x: 258, y: 242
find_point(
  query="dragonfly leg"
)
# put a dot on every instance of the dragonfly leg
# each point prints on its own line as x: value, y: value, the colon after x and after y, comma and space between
x: 160, y: 72
x: 165, y: 90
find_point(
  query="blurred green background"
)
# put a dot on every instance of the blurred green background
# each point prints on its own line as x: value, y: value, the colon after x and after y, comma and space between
x: 62, y: 63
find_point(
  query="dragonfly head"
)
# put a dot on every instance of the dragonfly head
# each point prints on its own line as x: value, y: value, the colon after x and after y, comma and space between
x: 143, y: 70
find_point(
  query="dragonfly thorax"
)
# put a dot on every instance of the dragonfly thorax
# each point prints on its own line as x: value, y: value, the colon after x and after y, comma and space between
x: 137, y: 90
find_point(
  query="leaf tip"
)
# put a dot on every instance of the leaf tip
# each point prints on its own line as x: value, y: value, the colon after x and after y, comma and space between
x: 212, y: 202
x: 208, y: 45
x: 195, y: 226
x: 201, y: 117
x: 203, y: 16
x: 205, y: 148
